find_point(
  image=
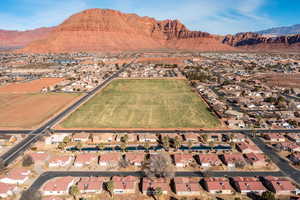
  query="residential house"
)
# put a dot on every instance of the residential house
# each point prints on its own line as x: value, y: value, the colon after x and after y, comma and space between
x: 295, y: 158
x: 85, y: 159
x: 191, y: 137
x: 109, y: 159
x: 274, y: 137
x: 187, y: 186
x: 16, y: 176
x: 246, y: 185
x: 56, y: 138
x: 183, y: 159
x: 60, y: 161
x: 288, y: 146
x: 135, y: 159
x: 151, y: 138
x: 214, y: 137
x: 295, y: 137
x: 7, y: 190
x: 256, y: 159
x: 278, y: 185
x: 91, y: 185
x: 248, y: 147
x: 150, y: 185
x: 124, y: 185
x: 234, y: 160
x: 103, y: 138
x: 58, y: 186
x: 217, y: 185
x: 233, y: 123
x: 208, y: 160
x: 236, y: 138
x: 130, y: 137
x: 39, y: 157
x: 81, y: 137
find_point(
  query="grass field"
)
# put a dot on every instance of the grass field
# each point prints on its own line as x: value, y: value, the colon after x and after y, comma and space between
x: 143, y: 104
x: 29, y: 110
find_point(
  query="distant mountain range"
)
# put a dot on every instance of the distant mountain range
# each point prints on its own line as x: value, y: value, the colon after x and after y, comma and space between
x: 284, y: 30
x: 102, y: 30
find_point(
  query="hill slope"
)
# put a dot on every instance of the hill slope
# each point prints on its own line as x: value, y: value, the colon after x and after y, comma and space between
x: 284, y: 30
x: 109, y: 30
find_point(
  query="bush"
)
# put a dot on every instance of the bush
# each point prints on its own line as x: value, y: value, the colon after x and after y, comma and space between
x: 27, y: 161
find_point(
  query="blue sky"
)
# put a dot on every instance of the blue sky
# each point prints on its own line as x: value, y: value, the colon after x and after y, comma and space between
x: 214, y: 16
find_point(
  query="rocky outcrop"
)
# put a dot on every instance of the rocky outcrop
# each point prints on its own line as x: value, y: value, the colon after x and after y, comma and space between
x: 15, y: 39
x: 260, y: 42
x: 110, y: 30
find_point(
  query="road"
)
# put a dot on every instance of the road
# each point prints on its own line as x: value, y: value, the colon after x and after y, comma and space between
x: 54, y: 174
x: 35, y: 135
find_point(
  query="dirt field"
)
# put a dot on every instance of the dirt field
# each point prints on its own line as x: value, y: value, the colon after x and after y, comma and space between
x: 143, y: 104
x: 29, y: 110
x: 30, y: 87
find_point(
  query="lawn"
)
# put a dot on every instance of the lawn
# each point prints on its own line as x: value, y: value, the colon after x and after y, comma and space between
x: 30, y: 110
x: 143, y: 104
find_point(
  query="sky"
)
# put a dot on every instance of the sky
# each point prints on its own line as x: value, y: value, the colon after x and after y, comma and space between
x: 213, y: 16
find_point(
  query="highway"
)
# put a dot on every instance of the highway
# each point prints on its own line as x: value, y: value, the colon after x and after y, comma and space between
x: 35, y: 135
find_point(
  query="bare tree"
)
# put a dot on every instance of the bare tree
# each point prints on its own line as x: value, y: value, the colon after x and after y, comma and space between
x: 159, y: 165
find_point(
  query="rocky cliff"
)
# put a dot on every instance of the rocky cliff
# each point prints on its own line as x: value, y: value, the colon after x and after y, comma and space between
x: 110, y: 30
x: 16, y: 39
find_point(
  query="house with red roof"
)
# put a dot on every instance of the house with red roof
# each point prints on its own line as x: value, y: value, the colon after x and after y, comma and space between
x: 247, y: 147
x: 209, y: 160
x: 183, y: 159
x: 274, y: 137
x: 256, y: 159
x: 85, y: 159
x: 60, y: 161
x: 58, y: 186
x: 109, y: 159
x: 16, y: 176
x: 217, y: 185
x: 135, y: 158
x: 288, y: 146
x: 81, y: 137
x: 39, y: 157
x: 246, y: 185
x: 7, y: 190
x: 147, y: 137
x: 150, y: 185
x: 187, y: 186
x: 124, y: 185
x: 278, y: 185
x: 88, y: 185
x: 295, y: 137
x: 295, y: 158
x: 234, y: 159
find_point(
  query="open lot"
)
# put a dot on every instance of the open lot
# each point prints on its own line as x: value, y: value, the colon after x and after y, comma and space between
x: 143, y: 104
x: 31, y: 86
x: 29, y: 110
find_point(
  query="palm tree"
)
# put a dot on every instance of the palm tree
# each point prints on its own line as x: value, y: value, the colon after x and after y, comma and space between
x: 158, y: 193
x: 123, y: 146
x: 165, y: 142
x: 177, y: 143
x: 74, y: 191
x: 190, y: 144
x: 147, y: 146
x: 61, y: 146
x: 66, y: 140
x: 110, y: 187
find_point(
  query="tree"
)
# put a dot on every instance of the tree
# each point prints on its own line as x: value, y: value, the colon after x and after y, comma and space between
x: 61, y: 146
x: 32, y: 195
x: 27, y: 161
x: 177, y: 143
x: 101, y: 146
x: 205, y: 137
x: 123, y: 146
x: 124, y: 139
x: 190, y: 144
x: 166, y: 142
x: 158, y: 192
x: 110, y: 187
x: 74, y: 191
x: 79, y: 146
x: 67, y: 140
x: 159, y: 165
x: 267, y: 195
x: 147, y: 146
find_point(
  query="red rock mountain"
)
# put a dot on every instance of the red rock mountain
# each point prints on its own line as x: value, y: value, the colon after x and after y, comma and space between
x: 254, y: 41
x: 109, y: 30
x: 14, y: 39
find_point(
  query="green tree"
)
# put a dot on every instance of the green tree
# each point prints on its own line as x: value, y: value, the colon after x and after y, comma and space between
x: 158, y: 192
x: 123, y: 146
x: 147, y: 146
x: 79, y: 146
x: 267, y: 195
x: 177, y: 143
x: 101, y: 146
x: 190, y: 145
x: 74, y: 191
x: 61, y: 146
x: 27, y: 161
x: 110, y: 187
x: 124, y: 139
x: 67, y: 140
x: 205, y: 137
x: 166, y: 142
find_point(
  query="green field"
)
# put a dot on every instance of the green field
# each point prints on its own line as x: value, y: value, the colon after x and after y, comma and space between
x: 143, y: 104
